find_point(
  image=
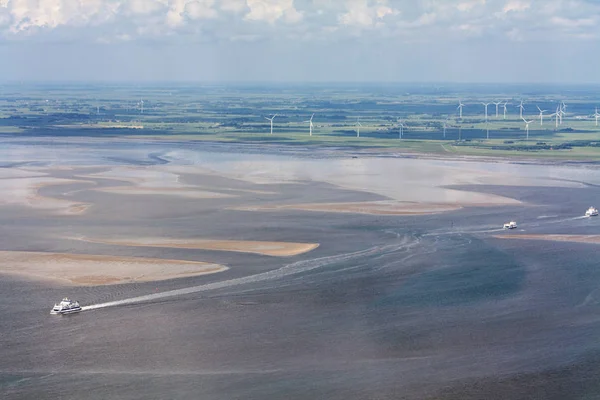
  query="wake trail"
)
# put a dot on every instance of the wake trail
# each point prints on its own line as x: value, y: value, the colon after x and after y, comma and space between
x: 290, y: 269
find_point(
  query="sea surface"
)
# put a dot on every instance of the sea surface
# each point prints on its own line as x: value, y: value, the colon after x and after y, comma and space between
x: 388, y: 307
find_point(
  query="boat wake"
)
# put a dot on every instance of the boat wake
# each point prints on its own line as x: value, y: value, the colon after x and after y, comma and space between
x: 290, y: 269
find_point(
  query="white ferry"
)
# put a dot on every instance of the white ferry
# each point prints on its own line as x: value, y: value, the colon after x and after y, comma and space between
x: 510, y: 225
x: 66, y: 306
x: 591, y: 212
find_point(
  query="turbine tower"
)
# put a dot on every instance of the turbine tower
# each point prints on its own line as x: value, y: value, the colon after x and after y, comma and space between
x: 310, y: 125
x: 271, y: 119
x: 486, y: 110
x: 561, y: 113
x: 596, y: 115
x: 141, y: 106
x: 527, y: 126
x: 445, y: 126
x: 460, y: 108
x: 541, y: 115
x: 521, y: 107
x: 557, y: 115
x: 497, y: 105
x: 505, y: 110
x: 358, y: 125
x: 401, y: 127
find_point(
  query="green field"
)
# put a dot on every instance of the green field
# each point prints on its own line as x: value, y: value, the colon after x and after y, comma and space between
x: 237, y: 114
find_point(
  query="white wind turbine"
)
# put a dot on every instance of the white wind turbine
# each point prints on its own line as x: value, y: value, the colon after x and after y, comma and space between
x: 527, y: 126
x: 541, y: 115
x: 521, y: 108
x: 460, y: 108
x: 401, y: 127
x: 141, y: 106
x: 497, y: 105
x: 561, y: 113
x: 271, y: 120
x: 486, y: 110
x: 596, y: 115
x: 445, y: 127
x: 505, y: 110
x: 557, y: 117
x: 358, y: 125
x: 310, y: 125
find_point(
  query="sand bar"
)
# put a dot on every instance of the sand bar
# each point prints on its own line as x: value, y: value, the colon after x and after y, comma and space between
x: 24, y: 192
x: 593, y: 239
x: 274, y: 249
x: 370, y: 208
x: 151, y: 181
x: 93, y: 270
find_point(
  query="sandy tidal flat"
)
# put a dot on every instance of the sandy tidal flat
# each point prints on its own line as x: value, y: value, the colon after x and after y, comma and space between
x: 151, y: 181
x: 24, y: 192
x: 274, y: 249
x: 594, y: 239
x: 370, y: 208
x: 92, y: 270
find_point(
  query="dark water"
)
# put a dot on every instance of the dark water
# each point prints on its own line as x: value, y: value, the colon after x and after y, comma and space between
x: 429, y: 307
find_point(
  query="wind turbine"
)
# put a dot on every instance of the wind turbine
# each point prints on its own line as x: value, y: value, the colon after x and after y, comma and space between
x: 557, y: 115
x: 486, y: 110
x: 310, y: 126
x: 527, y: 126
x: 521, y: 107
x: 271, y: 119
x: 445, y: 126
x: 541, y: 115
x: 358, y: 125
x: 505, y: 104
x: 141, y: 106
x: 460, y: 108
x: 561, y: 113
x: 401, y: 127
x: 596, y: 115
x: 497, y: 105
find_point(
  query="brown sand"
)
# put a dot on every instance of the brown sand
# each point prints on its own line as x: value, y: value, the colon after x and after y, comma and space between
x: 274, y: 249
x: 593, y: 239
x: 371, y: 208
x: 92, y: 270
x: 24, y: 192
x: 181, y: 192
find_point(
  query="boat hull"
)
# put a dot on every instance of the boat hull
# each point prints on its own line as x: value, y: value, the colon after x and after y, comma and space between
x: 64, y: 312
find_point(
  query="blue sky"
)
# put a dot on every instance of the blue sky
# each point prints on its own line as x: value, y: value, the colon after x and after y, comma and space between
x: 300, y: 40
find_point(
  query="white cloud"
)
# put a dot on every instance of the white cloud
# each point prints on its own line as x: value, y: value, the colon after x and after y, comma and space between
x: 235, y: 6
x: 516, y: 6
x: 322, y: 20
x: 365, y: 13
x: 272, y: 10
x: 468, y: 5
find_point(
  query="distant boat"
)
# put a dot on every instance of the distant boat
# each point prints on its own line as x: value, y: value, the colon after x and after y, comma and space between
x: 66, y: 306
x: 591, y: 212
x: 510, y: 225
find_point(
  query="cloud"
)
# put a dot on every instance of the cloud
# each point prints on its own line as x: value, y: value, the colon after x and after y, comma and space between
x: 516, y: 6
x: 365, y: 13
x: 235, y: 6
x: 318, y: 20
x: 272, y: 10
x: 468, y: 5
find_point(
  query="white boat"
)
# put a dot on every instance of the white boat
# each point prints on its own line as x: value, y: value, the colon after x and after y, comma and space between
x: 510, y: 225
x: 66, y: 306
x: 591, y: 212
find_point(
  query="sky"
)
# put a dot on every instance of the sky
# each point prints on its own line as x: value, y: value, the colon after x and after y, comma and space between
x: 521, y: 41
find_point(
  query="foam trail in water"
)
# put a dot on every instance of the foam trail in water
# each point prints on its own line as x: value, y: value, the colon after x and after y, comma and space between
x: 290, y: 269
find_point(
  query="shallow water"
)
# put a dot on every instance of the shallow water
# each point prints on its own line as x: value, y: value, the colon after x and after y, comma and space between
x: 387, y: 306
